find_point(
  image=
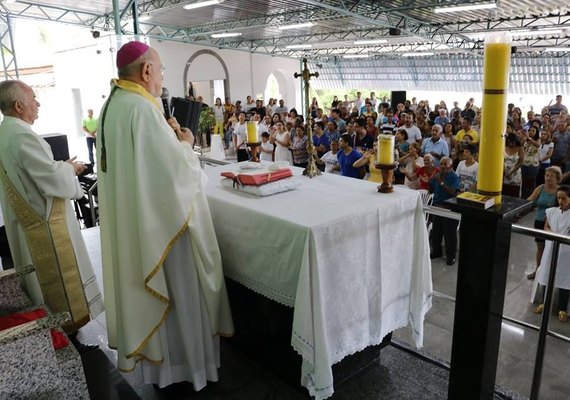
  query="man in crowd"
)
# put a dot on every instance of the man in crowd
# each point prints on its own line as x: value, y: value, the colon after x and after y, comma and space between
x: 40, y: 222
x: 466, y: 129
x: 320, y: 140
x: 442, y: 118
x: 358, y: 102
x: 435, y: 146
x: 282, y: 109
x: 90, y: 129
x: 164, y: 287
x: 414, y: 133
x: 444, y: 185
x: 561, y: 138
x: 347, y: 157
x: 340, y: 124
x: 557, y: 107
x: 468, y: 111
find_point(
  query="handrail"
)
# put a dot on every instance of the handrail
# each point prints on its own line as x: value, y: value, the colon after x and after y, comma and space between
x: 91, y: 197
x: 543, y: 331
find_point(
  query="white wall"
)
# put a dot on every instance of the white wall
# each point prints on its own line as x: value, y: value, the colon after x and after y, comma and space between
x: 248, y: 72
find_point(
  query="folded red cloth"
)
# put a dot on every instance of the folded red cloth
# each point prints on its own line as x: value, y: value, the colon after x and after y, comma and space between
x: 257, y: 178
x: 58, y: 339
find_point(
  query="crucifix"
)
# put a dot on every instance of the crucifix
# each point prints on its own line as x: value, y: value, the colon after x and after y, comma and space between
x: 306, y: 75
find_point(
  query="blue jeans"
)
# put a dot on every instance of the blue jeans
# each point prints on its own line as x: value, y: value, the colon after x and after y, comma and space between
x: 90, y: 146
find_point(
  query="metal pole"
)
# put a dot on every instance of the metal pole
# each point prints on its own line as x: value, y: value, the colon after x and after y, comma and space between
x: 135, y: 12
x: 14, y: 60
x: 537, y: 374
x: 116, y: 17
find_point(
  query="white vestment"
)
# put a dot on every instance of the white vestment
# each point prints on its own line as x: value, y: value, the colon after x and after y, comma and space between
x: 28, y: 162
x: 164, y: 288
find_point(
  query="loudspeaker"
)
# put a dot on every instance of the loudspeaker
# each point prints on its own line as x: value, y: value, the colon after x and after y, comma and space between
x: 394, y: 32
x: 59, y: 146
x: 187, y: 113
x: 397, y: 98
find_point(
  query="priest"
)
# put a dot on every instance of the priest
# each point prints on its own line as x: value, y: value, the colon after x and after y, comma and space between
x: 164, y: 288
x: 42, y: 230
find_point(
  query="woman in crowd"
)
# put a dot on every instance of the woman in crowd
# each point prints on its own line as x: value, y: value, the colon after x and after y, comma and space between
x: 517, y: 119
x: 544, y: 152
x: 330, y: 159
x: 275, y: 118
x: 558, y: 221
x: 282, y: 141
x: 529, y: 170
x: 467, y: 169
x: 513, y: 160
x: 218, y: 110
x: 544, y: 196
x: 448, y: 137
x: 314, y: 107
x: 371, y: 129
x: 369, y: 158
x: 423, y: 174
x: 299, y: 148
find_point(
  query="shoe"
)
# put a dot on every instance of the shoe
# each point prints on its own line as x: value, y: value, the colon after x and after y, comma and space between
x: 450, y: 260
x: 562, y: 316
x: 434, y: 255
x: 80, y: 347
x: 539, y: 309
x: 531, y: 276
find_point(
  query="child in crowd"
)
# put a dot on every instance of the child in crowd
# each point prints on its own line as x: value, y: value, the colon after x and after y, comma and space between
x: 266, y: 148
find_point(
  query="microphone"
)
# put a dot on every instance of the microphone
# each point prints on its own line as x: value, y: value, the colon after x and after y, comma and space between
x: 164, y: 98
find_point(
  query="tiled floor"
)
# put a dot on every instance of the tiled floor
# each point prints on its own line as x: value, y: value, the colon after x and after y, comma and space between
x: 397, y: 375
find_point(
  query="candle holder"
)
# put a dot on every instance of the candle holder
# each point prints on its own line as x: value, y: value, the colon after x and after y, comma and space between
x: 387, y: 171
x: 311, y: 169
x: 254, y: 151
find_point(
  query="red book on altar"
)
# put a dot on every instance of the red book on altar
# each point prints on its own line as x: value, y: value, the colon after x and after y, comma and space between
x: 258, y: 178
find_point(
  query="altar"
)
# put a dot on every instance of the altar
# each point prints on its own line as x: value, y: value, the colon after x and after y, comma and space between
x: 352, y: 263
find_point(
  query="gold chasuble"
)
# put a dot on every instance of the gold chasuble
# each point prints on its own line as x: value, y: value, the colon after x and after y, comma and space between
x: 52, y: 254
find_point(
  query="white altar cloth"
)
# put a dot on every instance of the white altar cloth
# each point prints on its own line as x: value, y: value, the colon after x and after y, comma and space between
x: 353, y: 262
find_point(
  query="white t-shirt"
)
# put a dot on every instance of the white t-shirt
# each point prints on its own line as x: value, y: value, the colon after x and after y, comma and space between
x: 266, y: 156
x: 240, y: 130
x: 331, y: 161
x: 415, y: 184
x: 414, y: 134
x: 543, y: 151
x: 467, y: 175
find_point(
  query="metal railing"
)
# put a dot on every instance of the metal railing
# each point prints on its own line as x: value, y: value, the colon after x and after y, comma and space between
x: 543, y: 330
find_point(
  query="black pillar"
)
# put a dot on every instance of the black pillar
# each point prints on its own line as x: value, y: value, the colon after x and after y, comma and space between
x: 484, y: 238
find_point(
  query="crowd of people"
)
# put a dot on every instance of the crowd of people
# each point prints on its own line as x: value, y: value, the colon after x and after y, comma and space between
x: 437, y: 148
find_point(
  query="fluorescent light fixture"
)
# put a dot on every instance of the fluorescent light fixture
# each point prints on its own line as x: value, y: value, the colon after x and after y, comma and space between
x: 226, y: 34
x: 9, y: 1
x: 374, y: 41
x: 418, y: 54
x: 296, y: 26
x: 465, y: 7
x: 536, y: 32
x: 299, y: 46
x: 199, y: 4
x: 557, y: 49
x: 355, y: 56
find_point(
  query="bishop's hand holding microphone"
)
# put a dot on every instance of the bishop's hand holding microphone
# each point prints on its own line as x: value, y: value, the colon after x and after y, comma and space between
x: 183, y: 134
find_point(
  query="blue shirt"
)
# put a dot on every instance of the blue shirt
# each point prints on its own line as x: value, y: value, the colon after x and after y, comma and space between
x: 440, y: 194
x: 323, y: 140
x: 332, y: 135
x: 345, y: 162
x: 439, y: 147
